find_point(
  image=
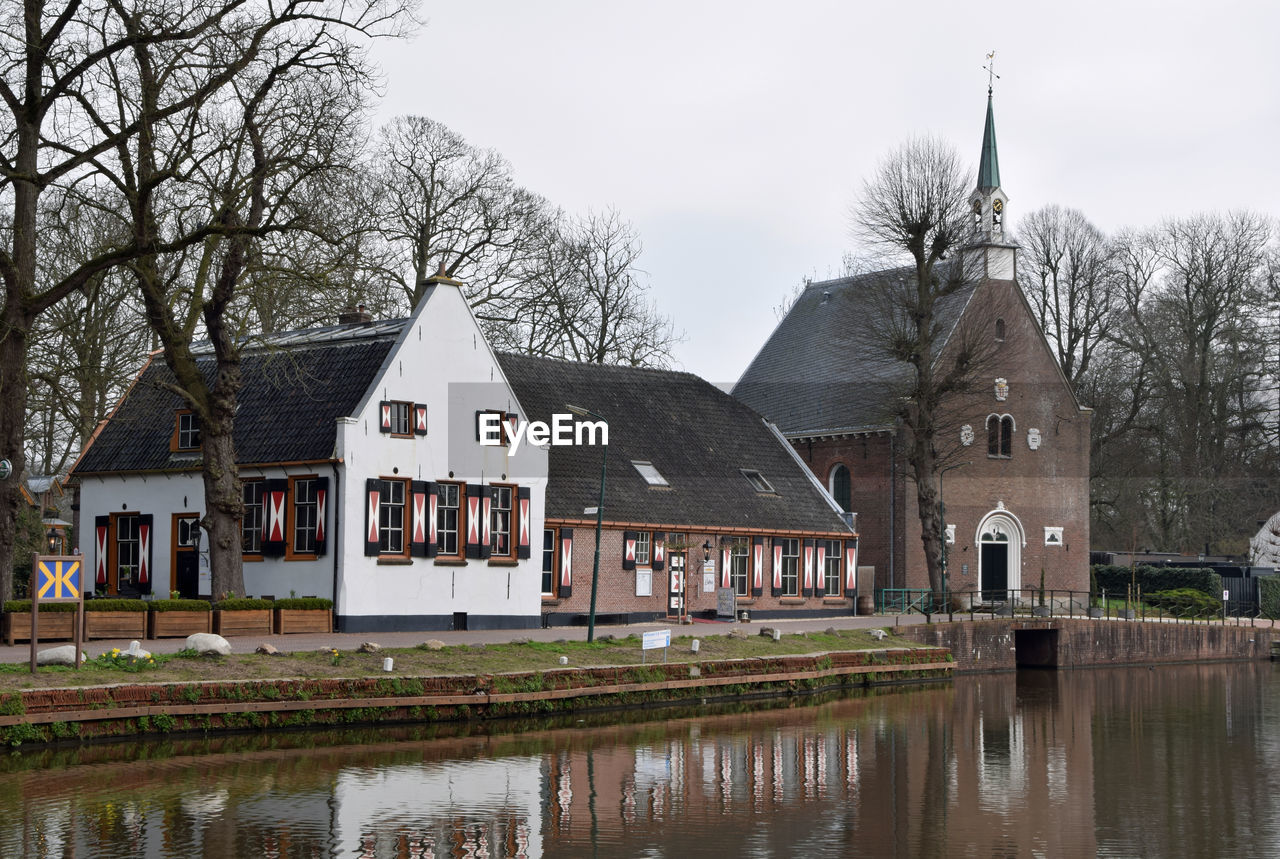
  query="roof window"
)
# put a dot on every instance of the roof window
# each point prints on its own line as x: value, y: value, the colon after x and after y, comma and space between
x: 651, y: 475
x: 756, y: 479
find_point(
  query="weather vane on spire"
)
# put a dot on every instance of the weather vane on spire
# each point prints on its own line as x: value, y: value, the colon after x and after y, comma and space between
x: 990, y: 69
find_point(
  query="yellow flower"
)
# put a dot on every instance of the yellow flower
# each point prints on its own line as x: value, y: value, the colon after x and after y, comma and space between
x: 115, y: 651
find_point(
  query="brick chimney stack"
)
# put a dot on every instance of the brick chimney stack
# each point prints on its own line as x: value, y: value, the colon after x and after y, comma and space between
x: 354, y: 314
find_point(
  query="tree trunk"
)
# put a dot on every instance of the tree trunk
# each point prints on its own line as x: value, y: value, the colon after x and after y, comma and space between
x: 13, y: 407
x: 223, y: 507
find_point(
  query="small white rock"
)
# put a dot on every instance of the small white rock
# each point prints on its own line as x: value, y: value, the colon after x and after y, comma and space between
x: 435, y: 644
x: 64, y: 655
x: 268, y: 649
x: 208, y: 642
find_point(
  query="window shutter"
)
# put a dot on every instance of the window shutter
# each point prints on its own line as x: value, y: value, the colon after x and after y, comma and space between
x: 418, y: 518
x: 433, y: 503
x: 524, y: 511
x: 566, y: 563
x: 725, y: 580
x: 145, y: 533
x: 101, y: 533
x: 372, y: 493
x: 820, y: 573
x: 486, y: 520
x: 322, y: 506
x: 275, y: 495
x: 659, y: 551
x: 419, y: 419
x: 850, y: 567
x: 807, y: 557
x: 757, y: 566
x: 384, y: 416
x: 474, y: 492
x: 776, y: 589
x: 629, y: 539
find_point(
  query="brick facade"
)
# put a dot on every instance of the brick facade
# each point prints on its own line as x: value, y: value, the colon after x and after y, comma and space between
x: 617, y: 602
x: 1030, y: 489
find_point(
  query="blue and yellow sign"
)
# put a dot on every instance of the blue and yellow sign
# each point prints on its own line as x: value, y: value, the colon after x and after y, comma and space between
x: 58, y: 579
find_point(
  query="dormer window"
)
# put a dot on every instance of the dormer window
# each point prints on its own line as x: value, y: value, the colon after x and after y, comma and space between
x: 651, y: 475
x: 186, y: 433
x: 756, y: 479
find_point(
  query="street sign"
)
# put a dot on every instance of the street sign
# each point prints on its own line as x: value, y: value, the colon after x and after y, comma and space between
x: 653, y: 640
x: 6, y: 468
x: 58, y: 578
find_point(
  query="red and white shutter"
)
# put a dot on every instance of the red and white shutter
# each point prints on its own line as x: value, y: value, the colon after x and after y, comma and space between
x: 850, y: 567
x: 777, y: 567
x: 419, y: 419
x: 474, y: 491
x: 566, y: 563
x: 372, y: 495
x: 659, y: 551
x: 145, y: 533
x: 808, y: 568
x: 275, y: 496
x: 486, y: 520
x: 726, y: 580
x: 101, y: 532
x: 384, y: 416
x: 525, y: 514
x: 418, y: 518
x: 322, y: 510
x: 629, y: 539
x: 433, y: 506
x: 757, y: 566
x: 820, y: 575
x: 510, y: 425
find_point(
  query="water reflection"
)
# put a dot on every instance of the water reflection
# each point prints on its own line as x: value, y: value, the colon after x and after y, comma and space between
x: 1178, y: 760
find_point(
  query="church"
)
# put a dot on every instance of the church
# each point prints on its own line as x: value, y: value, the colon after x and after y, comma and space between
x: 1013, y: 447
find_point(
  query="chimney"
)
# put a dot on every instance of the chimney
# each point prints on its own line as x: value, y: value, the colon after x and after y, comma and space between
x: 353, y: 315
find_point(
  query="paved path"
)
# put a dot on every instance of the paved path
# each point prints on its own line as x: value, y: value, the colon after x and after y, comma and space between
x: 21, y: 652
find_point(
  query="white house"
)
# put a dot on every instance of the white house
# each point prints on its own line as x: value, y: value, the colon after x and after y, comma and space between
x: 365, y: 479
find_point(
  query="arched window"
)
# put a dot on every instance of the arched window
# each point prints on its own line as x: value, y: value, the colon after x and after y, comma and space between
x: 839, y: 484
x: 1000, y: 329
x: 1000, y: 436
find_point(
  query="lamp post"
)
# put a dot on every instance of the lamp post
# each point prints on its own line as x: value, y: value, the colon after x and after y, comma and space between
x: 53, y: 540
x: 595, y: 564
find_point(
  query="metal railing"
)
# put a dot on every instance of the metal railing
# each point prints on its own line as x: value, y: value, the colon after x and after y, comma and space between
x: 1034, y: 602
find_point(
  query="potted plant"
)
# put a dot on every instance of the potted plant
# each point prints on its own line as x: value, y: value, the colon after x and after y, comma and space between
x: 177, y: 618
x: 242, y: 616
x: 115, y: 618
x: 1041, y: 610
x: 303, y: 614
x: 57, y: 621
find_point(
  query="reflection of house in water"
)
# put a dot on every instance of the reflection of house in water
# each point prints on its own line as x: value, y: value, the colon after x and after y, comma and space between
x: 454, y: 808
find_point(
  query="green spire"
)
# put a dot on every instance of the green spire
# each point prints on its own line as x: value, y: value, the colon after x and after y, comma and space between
x: 988, y: 163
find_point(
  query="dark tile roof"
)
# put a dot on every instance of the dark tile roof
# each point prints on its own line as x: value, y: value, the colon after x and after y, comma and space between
x: 295, y: 387
x: 696, y: 435
x: 825, y: 369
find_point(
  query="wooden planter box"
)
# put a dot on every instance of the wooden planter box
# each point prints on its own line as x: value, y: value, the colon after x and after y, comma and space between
x: 254, y: 621
x: 178, y: 624
x: 112, y: 624
x: 303, y: 620
x: 54, y: 626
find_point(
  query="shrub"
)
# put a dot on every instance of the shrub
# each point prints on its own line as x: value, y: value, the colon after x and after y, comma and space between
x: 1115, y: 579
x: 179, y: 605
x: 25, y: 606
x: 1185, y: 602
x: 242, y: 604
x: 115, y: 605
x: 296, y: 603
x: 1269, y: 596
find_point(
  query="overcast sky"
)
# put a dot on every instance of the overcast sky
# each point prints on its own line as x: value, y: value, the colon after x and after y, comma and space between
x: 735, y: 135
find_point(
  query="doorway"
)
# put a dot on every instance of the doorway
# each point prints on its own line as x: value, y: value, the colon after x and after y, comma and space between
x: 185, y: 575
x: 999, y: 555
x: 676, y: 607
x: 995, y: 572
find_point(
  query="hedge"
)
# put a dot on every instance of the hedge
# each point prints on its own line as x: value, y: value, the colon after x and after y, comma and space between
x: 1115, y: 579
x: 115, y: 605
x: 178, y: 605
x: 25, y: 606
x: 242, y: 604
x: 304, y: 603
x: 1269, y: 596
x: 1185, y: 602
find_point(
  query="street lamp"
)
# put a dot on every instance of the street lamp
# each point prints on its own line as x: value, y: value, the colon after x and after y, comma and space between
x: 53, y: 540
x: 595, y: 564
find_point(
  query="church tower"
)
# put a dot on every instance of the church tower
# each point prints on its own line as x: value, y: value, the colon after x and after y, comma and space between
x: 989, y: 255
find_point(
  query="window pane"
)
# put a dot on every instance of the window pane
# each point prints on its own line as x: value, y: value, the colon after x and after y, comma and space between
x: 251, y: 525
x: 548, y: 560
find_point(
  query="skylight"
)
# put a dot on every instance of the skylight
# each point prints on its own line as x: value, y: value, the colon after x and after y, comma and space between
x: 756, y: 480
x: 651, y: 475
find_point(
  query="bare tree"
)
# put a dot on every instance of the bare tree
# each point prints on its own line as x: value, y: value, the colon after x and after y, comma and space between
x: 1066, y: 273
x: 915, y: 209
x: 585, y: 298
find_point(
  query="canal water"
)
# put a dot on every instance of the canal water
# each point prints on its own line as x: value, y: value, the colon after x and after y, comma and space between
x: 1170, y: 761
